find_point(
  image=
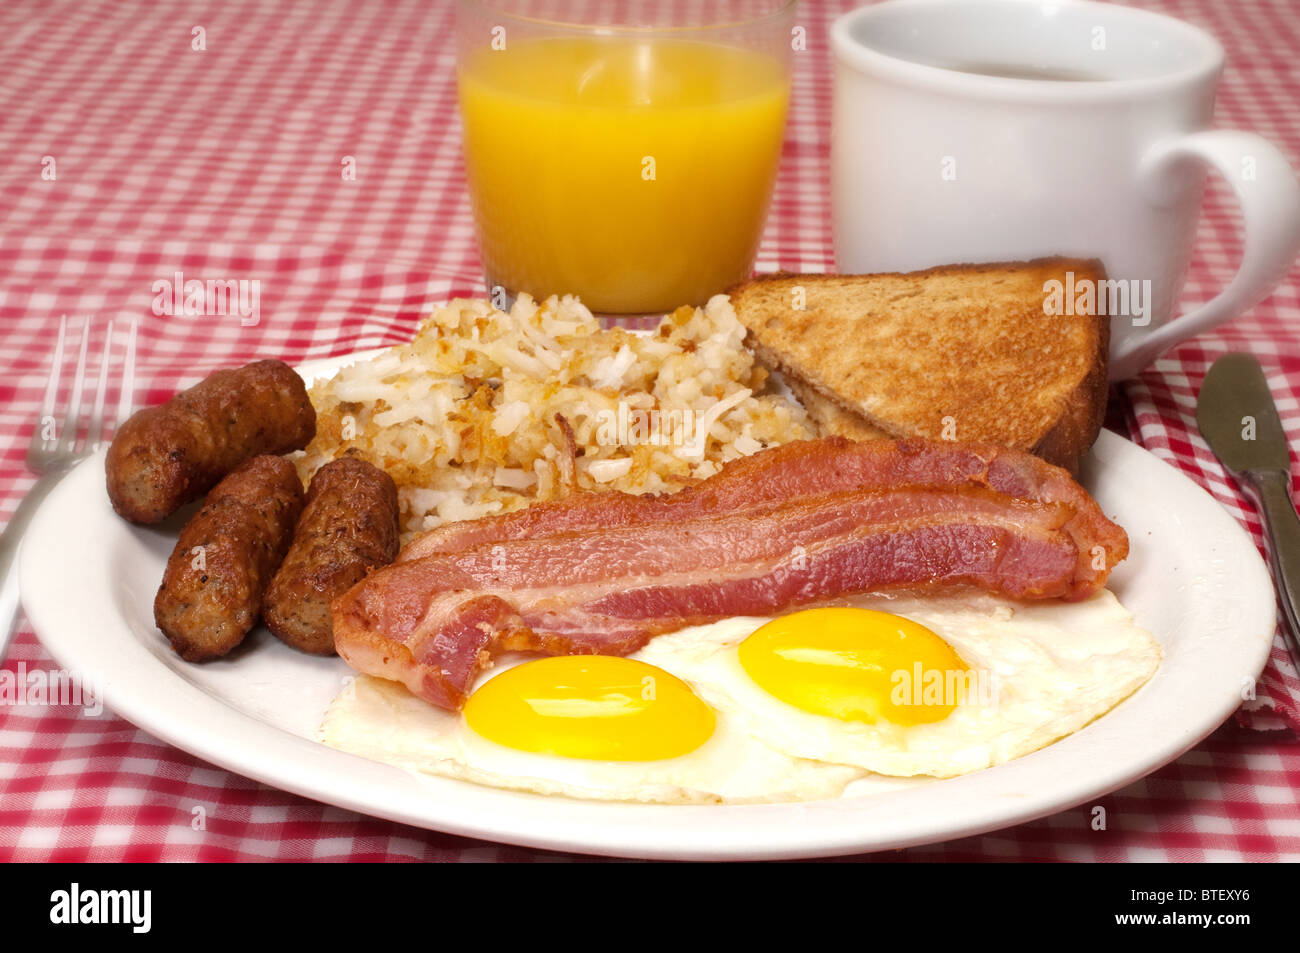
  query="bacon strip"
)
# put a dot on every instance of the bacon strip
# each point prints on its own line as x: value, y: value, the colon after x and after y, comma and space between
x: 808, y: 522
x: 794, y: 469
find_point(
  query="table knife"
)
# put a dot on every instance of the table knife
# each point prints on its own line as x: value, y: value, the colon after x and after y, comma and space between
x: 1239, y: 420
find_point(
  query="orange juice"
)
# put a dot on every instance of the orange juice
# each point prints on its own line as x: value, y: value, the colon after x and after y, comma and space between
x: 632, y: 172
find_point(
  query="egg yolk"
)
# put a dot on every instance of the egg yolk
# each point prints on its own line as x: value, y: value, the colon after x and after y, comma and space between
x: 856, y: 665
x: 591, y: 706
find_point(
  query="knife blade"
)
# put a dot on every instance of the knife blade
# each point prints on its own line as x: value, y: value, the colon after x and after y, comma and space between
x: 1239, y: 420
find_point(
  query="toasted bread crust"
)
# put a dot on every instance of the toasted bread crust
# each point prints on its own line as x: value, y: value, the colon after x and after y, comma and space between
x: 1085, y: 411
x: 966, y: 342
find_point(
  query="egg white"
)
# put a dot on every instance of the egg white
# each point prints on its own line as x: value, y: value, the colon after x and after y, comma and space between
x: 381, y: 720
x: 1051, y: 668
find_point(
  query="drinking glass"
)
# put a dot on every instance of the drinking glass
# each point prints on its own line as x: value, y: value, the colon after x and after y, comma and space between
x: 623, y: 152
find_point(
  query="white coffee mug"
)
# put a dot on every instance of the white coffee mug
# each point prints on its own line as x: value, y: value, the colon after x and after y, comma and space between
x: 997, y: 130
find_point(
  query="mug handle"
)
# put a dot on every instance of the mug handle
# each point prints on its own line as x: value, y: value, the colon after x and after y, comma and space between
x: 1270, y: 211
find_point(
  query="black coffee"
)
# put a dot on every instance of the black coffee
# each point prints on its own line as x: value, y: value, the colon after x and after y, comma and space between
x: 1016, y: 71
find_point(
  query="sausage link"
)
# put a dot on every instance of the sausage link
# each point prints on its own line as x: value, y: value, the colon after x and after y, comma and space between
x: 349, y: 527
x: 163, y: 457
x: 212, y: 591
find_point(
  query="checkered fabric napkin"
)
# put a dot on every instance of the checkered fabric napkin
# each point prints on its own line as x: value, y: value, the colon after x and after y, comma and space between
x: 142, y: 139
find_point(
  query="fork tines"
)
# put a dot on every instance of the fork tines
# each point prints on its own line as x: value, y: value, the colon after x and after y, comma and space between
x: 54, y: 440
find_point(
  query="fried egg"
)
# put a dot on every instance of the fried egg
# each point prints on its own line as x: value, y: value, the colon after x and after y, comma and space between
x: 936, y: 686
x: 792, y: 708
x: 594, y: 727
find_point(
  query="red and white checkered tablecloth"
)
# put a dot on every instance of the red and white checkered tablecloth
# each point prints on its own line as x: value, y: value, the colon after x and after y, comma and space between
x: 224, y: 162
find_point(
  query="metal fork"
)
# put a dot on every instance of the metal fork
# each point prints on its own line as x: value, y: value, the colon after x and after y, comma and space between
x: 56, y: 448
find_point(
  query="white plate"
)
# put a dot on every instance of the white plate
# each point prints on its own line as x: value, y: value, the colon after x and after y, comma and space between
x: 1194, y: 579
